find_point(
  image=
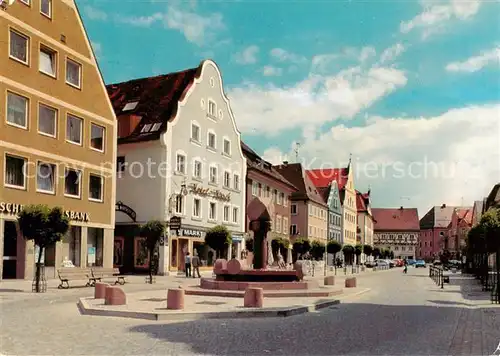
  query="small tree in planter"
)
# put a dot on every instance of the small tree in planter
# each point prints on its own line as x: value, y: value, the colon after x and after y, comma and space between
x: 279, y: 244
x: 348, y: 251
x: 367, y: 250
x: 333, y: 247
x: 45, y: 226
x: 376, y: 252
x: 301, y: 247
x: 358, y: 250
x: 153, y: 231
x: 317, y: 250
x: 218, y: 238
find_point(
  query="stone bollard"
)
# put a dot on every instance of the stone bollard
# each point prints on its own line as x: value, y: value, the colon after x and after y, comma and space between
x: 350, y: 282
x: 233, y: 266
x: 175, y: 298
x: 114, y: 296
x: 329, y: 280
x: 100, y: 290
x: 220, y: 265
x: 254, y: 298
x: 301, y: 270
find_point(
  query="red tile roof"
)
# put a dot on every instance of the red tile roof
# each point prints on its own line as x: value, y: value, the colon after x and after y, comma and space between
x: 361, y: 201
x: 157, y: 101
x: 294, y: 173
x: 402, y: 219
x: 322, y: 177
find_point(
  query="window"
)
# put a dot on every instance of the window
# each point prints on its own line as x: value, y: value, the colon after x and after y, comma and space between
x: 197, y: 208
x: 255, y: 188
x: 212, y: 211
x: 74, y: 129
x: 285, y: 201
x: 259, y: 189
x: 146, y: 128
x: 275, y: 196
x: 26, y: 2
x: 294, y: 209
x: 156, y: 127
x: 227, y: 147
x: 46, y: 7
x: 268, y: 192
x: 72, y: 182
x: 195, y: 132
x: 47, y: 120
x: 285, y: 225
x: 130, y: 106
x: 180, y: 164
x: 213, y: 175
x: 226, y: 213
x: 235, y: 215
x: 212, y: 140
x: 197, y: 169
x: 15, y: 172
x: 278, y: 224
x: 47, y: 63
x: 293, y: 229
x: 282, y: 198
x: 97, y: 137
x: 236, y: 182
x: 212, y: 108
x: 95, y: 188
x: 19, y: 47
x: 179, y: 204
x: 120, y: 164
x: 73, y: 73
x: 17, y: 110
x: 45, y: 177
x: 227, y: 179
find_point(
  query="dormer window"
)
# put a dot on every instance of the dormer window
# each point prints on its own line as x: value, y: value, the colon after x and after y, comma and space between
x: 130, y: 106
x: 146, y: 128
x: 212, y: 108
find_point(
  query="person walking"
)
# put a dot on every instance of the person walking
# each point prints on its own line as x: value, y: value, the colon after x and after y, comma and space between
x: 195, y: 263
x: 405, y: 270
x: 187, y: 264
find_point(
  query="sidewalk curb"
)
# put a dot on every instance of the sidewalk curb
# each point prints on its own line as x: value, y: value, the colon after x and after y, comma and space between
x: 86, y: 309
x: 357, y: 294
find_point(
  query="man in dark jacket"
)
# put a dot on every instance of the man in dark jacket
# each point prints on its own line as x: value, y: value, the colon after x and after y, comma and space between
x: 195, y: 262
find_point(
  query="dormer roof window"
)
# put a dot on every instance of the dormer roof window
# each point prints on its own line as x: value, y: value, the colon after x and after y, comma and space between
x: 130, y: 106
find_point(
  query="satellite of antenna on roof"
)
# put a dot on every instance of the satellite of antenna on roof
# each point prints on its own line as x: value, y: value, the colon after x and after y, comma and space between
x: 5, y: 3
x: 296, y: 150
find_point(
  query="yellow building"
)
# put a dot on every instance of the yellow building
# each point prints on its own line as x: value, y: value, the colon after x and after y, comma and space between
x: 57, y: 136
x: 349, y: 209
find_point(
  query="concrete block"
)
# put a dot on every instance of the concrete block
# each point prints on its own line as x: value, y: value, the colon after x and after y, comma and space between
x: 253, y: 298
x: 100, y: 290
x: 175, y: 298
x: 114, y: 296
x: 329, y: 280
x: 350, y: 282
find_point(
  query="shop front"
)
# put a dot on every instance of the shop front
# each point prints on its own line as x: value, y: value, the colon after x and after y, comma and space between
x: 189, y: 239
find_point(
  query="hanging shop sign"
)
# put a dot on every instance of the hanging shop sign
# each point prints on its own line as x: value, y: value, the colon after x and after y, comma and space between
x: 208, y: 192
x: 175, y: 223
x: 127, y: 210
x: 14, y: 209
x: 190, y: 233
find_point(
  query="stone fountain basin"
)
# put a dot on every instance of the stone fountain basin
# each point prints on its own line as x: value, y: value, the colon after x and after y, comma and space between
x: 258, y: 276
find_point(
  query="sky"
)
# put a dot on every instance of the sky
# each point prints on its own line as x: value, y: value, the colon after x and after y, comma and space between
x: 408, y: 90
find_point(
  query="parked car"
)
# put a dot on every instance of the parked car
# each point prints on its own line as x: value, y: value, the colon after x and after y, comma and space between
x: 390, y: 263
x: 420, y: 263
x: 411, y: 262
x: 381, y: 263
x: 370, y: 264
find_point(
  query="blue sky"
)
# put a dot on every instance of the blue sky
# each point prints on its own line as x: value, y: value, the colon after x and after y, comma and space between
x: 396, y: 82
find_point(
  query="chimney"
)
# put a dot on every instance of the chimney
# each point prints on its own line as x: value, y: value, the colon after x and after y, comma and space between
x: 285, y: 163
x: 127, y: 124
x: 401, y: 208
x: 443, y: 206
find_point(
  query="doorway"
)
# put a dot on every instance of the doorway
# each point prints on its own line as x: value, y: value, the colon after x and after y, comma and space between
x: 9, y: 251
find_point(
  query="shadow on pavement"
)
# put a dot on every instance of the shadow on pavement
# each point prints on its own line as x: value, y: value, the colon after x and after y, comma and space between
x: 383, y: 330
x: 470, y: 291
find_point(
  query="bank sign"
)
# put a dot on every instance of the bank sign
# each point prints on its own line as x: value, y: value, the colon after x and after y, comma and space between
x: 14, y: 209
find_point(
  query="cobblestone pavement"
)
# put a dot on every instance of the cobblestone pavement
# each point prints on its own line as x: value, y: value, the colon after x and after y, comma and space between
x: 402, y: 315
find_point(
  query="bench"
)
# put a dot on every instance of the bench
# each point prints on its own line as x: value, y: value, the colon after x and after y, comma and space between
x: 74, y: 274
x: 98, y: 273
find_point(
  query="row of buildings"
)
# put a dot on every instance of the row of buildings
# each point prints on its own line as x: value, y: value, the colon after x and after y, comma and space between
x: 115, y: 156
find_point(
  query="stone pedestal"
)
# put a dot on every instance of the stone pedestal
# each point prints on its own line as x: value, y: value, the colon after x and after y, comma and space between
x: 254, y: 298
x: 175, y: 299
x: 350, y: 282
x: 329, y: 280
x: 114, y: 296
x: 100, y: 290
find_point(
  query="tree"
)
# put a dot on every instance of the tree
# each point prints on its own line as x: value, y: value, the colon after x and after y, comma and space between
x: 376, y: 252
x: 218, y: 238
x: 301, y: 246
x: 317, y: 250
x: 490, y: 225
x: 249, y: 244
x: 333, y: 247
x: 153, y: 230
x: 279, y: 244
x: 45, y: 226
x: 358, y: 250
x: 367, y: 250
x: 348, y: 251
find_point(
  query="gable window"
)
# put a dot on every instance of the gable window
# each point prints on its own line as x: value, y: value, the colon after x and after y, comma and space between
x: 255, y: 188
x: 212, y: 141
x: 45, y: 177
x: 195, y: 132
x: 226, y: 213
x: 179, y: 204
x: 180, y: 164
x: 227, y: 179
x: 97, y: 137
x: 197, y: 208
x: 15, y: 172
x: 46, y: 7
x: 285, y: 200
x: 95, y: 188
x: 212, y: 211
x: 293, y: 229
x: 19, y: 47
x: 197, y: 169
x: 47, y: 63
x: 278, y: 224
x: 227, y: 147
x: 72, y: 182
x: 281, y: 198
x: 73, y: 73
x: 212, y: 108
x: 213, y: 175
x: 235, y: 215
x: 268, y: 191
x: 74, y: 129
x: 236, y: 182
x: 285, y: 225
x: 47, y: 120
x: 17, y: 110
x: 293, y: 209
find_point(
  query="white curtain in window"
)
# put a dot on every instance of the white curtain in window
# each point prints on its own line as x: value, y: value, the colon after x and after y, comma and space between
x: 17, y: 109
x: 74, y: 129
x: 47, y: 64
x: 45, y: 177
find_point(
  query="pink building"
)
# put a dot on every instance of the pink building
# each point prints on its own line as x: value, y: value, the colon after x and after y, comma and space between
x: 460, y: 224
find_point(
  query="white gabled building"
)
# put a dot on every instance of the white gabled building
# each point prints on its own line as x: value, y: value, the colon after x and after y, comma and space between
x: 179, y: 154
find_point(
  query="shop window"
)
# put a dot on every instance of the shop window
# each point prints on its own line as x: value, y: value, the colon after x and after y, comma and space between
x: 74, y: 244
x: 95, y: 243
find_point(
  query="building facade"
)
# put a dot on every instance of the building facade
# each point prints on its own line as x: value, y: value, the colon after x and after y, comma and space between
x: 309, y: 212
x: 332, y: 197
x: 265, y: 182
x: 365, y: 219
x: 397, y: 230
x: 460, y: 224
x: 179, y: 156
x: 57, y: 136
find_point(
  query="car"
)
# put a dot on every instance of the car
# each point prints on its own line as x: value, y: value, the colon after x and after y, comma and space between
x: 370, y: 264
x: 381, y: 263
x: 420, y: 263
x: 411, y: 262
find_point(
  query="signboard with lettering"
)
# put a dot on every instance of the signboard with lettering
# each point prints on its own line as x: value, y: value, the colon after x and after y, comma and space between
x: 14, y: 209
x: 175, y: 223
x: 127, y: 210
x: 207, y: 192
x: 190, y: 233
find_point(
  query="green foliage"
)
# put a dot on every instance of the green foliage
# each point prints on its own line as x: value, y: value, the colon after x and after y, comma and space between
x: 153, y: 230
x: 280, y: 243
x: 44, y: 225
x: 358, y: 250
x: 249, y: 244
x: 333, y: 247
x: 218, y: 238
x: 376, y: 252
x: 301, y: 246
x: 490, y: 222
x: 367, y: 250
x: 317, y: 250
x: 348, y: 250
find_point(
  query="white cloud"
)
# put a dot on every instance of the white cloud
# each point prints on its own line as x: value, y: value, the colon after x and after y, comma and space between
x: 283, y: 55
x: 436, y: 15
x: 316, y: 100
x: 94, y: 13
x: 248, y: 55
x: 97, y: 47
x: 328, y: 62
x: 432, y: 160
x: 271, y: 71
x: 476, y: 63
x: 392, y: 53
